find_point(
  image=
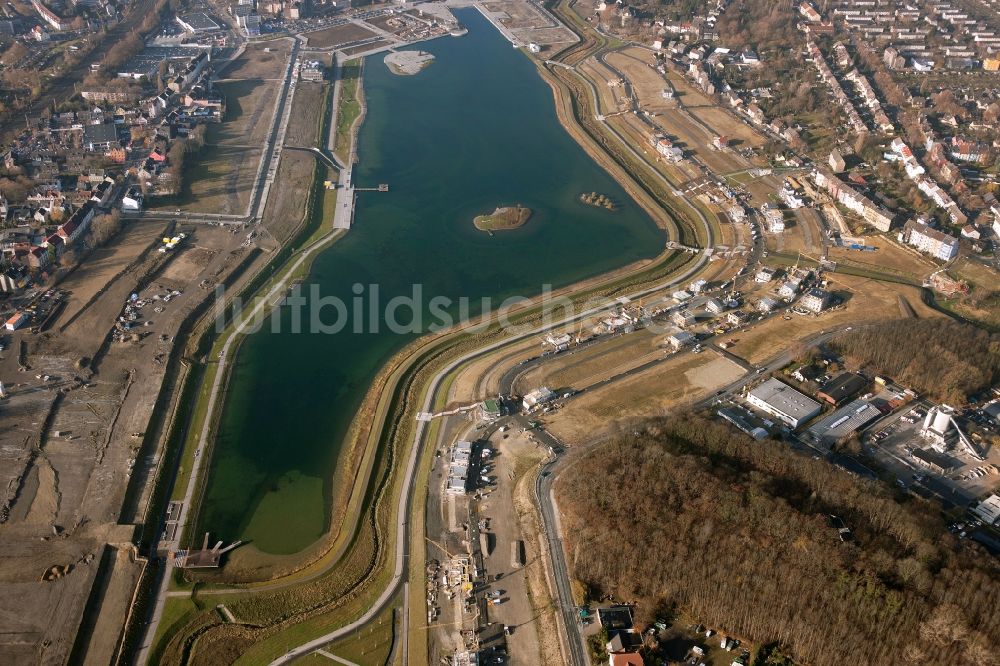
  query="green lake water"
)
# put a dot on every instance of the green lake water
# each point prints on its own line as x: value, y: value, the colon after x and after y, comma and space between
x: 474, y: 130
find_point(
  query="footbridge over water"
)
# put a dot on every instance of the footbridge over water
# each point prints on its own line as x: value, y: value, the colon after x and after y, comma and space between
x: 327, y: 158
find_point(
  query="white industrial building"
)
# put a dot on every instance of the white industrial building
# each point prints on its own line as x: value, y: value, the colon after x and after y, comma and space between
x: 988, y: 510
x: 682, y: 318
x: 774, y: 219
x: 942, y: 430
x: 458, y: 468
x: 764, y: 274
x: 539, y: 396
x: 783, y: 402
x: 738, y: 214
x: 197, y: 22
x: 767, y: 304
x: 714, y: 306
x: 697, y: 286
x: 560, y: 342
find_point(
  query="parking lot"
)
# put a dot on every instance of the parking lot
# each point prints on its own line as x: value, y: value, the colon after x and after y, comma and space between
x: 896, y: 442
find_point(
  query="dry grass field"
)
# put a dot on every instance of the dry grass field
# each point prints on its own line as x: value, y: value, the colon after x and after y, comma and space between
x: 481, y: 378
x: 867, y: 301
x: 889, y: 258
x: 304, y: 123
x: 377, y: 44
x: 611, y: 97
x: 260, y: 61
x: 740, y: 134
x: 581, y: 369
x: 679, y: 380
x: 222, y: 181
x: 341, y: 34
x: 249, y: 110
x: 287, y: 202
x: 646, y: 81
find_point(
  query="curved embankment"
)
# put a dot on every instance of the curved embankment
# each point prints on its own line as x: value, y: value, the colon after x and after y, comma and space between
x: 368, y: 533
x: 364, y: 579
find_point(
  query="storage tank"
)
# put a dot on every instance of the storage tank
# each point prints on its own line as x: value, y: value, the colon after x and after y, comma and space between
x: 942, y: 419
x: 929, y: 418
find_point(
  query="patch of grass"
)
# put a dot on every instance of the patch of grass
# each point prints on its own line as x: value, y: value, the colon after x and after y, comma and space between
x: 177, y: 612
x: 348, y: 108
x: 370, y: 645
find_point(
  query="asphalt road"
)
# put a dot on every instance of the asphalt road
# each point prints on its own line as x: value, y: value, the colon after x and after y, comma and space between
x: 567, y: 609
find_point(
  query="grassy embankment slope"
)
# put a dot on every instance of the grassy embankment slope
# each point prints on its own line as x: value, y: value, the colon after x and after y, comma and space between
x: 350, y: 106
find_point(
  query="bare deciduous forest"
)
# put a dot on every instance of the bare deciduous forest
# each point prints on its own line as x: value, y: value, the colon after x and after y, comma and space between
x: 690, y: 514
x: 943, y: 359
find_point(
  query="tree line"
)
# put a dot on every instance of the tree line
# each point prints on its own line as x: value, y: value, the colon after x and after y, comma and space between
x: 687, y: 513
x: 944, y: 359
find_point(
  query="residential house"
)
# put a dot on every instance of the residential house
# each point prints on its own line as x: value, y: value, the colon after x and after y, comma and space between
x: 938, y: 244
x: 815, y: 300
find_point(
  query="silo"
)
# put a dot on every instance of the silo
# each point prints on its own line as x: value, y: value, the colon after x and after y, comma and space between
x: 942, y: 419
x: 929, y: 418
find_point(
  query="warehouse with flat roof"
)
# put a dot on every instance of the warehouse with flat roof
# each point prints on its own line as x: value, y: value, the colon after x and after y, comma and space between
x: 844, y: 422
x: 197, y: 22
x: 783, y: 402
x: 988, y: 510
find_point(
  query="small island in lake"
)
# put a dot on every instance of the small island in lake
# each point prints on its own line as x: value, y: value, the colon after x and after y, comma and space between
x: 503, y: 218
x: 599, y: 200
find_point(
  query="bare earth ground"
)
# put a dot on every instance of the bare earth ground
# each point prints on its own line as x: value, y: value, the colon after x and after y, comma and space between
x: 530, y: 25
x: 249, y: 109
x: 518, y: 454
x: 68, y: 461
x: 650, y: 393
x: 648, y: 83
x: 612, y: 96
x: 103, y: 264
x: 688, y: 94
x: 387, y: 23
x: 740, y: 134
x: 260, y: 61
x: 481, y: 379
x: 341, y: 34
x: 221, y: 180
x: 795, y: 237
x: 545, y: 623
x: 377, y: 44
x: 889, y: 258
x: 596, y: 363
